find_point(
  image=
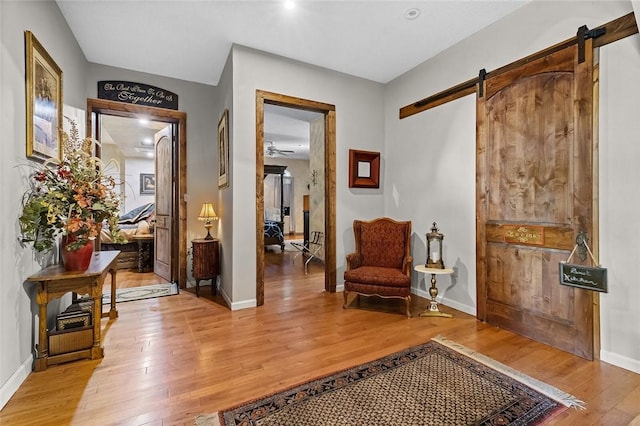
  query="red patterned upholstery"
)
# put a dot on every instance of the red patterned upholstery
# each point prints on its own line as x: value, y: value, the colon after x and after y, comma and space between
x: 381, y: 264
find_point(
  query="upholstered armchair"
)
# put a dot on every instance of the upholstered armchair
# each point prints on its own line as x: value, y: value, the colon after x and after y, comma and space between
x: 381, y: 264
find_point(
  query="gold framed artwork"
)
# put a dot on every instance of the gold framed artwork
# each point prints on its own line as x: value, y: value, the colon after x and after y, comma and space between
x: 44, y: 102
x: 223, y: 150
x: 364, y: 169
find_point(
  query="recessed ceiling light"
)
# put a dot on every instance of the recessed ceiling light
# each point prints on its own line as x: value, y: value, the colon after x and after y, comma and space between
x: 289, y: 4
x: 412, y: 13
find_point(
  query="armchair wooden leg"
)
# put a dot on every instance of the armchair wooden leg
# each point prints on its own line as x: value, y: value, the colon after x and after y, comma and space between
x: 408, y: 302
x: 344, y: 293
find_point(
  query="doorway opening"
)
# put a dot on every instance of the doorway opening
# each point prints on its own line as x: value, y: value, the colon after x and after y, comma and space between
x: 321, y: 116
x: 154, y: 175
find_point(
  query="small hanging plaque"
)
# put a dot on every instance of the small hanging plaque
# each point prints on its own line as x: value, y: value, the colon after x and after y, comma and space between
x: 587, y: 277
x: 590, y: 278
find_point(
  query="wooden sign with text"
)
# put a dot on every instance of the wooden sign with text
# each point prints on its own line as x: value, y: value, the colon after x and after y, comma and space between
x: 137, y: 94
x: 524, y: 234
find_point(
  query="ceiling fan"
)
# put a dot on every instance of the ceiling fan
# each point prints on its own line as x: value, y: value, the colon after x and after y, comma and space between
x: 272, y: 151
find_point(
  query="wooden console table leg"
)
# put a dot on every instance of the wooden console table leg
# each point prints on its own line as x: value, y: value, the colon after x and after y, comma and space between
x: 96, y: 350
x: 113, y: 312
x: 42, y: 353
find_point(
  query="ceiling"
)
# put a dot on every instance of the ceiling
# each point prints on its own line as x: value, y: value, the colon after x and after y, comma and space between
x: 190, y: 40
x: 133, y: 138
x: 287, y: 129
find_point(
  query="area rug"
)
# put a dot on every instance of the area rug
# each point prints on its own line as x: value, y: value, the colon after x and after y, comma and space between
x: 142, y: 292
x: 437, y: 383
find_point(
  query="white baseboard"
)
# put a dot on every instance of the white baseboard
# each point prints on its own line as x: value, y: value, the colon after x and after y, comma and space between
x: 235, y: 306
x: 252, y: 303
x: 620, y: 361
x: 471, y: 310
x: 11, y: 386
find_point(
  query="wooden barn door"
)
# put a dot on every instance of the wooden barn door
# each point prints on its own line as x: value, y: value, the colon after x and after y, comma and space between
x: 534, y: 195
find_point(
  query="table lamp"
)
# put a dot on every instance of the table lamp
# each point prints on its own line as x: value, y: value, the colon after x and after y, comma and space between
x: 208, y: 214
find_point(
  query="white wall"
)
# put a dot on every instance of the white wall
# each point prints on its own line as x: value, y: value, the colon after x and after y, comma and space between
x: 620, y: 201
x: 17, y: 298
x: 359, y: 124
x: 224, y: 100
x: 132, y: 169
x: 431, y: 156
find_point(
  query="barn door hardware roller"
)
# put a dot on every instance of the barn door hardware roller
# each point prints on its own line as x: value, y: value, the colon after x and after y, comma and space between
x: 583, y: 34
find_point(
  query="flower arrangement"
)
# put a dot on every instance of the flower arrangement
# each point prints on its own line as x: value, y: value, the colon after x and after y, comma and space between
x: 71, y: 198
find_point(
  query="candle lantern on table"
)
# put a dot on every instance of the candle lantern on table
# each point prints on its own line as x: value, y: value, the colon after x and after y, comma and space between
x: 434, y: 248
x: 434, y: 266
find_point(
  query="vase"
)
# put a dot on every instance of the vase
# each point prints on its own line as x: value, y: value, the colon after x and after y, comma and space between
x: 76, y: 260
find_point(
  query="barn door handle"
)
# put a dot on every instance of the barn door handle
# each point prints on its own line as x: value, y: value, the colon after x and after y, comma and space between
x: 581, y: 244
x: 582, y: 248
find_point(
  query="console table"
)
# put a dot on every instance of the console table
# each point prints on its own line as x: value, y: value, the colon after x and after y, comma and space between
x: 54, y: 282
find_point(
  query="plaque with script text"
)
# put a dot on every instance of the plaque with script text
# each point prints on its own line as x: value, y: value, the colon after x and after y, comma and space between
x: 581, y: 276
x: 524, y: 234
x: 137, y: 94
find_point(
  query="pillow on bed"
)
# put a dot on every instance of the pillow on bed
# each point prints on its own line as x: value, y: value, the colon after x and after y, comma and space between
x: 136, y: 215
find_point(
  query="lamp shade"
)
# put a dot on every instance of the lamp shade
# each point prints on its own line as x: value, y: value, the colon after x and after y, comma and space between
x: 207, y: 213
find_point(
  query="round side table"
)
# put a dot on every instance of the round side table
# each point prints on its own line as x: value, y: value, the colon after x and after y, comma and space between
x: 434, y: 309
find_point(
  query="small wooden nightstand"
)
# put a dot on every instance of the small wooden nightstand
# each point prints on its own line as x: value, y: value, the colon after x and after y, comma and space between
x: 206, y: 262
x: 145, y: 252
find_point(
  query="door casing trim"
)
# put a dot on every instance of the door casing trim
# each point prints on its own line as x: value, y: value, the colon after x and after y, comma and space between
x: 329, y: 111
x: 179, y: 225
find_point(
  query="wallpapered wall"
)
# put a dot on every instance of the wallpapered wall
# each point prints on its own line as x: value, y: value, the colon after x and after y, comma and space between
x: 316, y: 191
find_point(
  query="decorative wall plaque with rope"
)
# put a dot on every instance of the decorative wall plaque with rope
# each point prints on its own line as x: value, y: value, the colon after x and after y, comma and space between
x: 587, y: 277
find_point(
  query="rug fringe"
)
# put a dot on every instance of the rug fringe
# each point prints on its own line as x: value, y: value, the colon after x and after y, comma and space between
x: 207, y: 420
x: 552, y: 392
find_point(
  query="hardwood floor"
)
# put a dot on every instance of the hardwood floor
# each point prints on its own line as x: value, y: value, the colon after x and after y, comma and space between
x: 172, y: 358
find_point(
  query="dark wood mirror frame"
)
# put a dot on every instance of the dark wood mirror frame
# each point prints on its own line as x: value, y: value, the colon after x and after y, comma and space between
x: 358, y: 162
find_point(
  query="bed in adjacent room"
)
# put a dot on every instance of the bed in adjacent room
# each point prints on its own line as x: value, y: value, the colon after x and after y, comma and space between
x: 137, y: 222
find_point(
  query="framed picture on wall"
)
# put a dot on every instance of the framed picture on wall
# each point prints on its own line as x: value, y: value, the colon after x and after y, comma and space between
x: 147, y: 184
x: 364, y: 169
x: 223, y: 150
x: 44, y: 102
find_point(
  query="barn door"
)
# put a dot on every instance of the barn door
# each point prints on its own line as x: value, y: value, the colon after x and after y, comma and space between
x: 533, y: 196
x: 164, y: 205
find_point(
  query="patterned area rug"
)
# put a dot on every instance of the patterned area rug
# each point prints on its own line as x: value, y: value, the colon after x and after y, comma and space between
x: 142, y: 292
x: 437, y: 383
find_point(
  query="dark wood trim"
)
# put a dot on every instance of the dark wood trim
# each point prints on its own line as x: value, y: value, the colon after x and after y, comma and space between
x: 179, y: 256
x: 451, y: 94
x: 615, y: 30
x: 328, y: 110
